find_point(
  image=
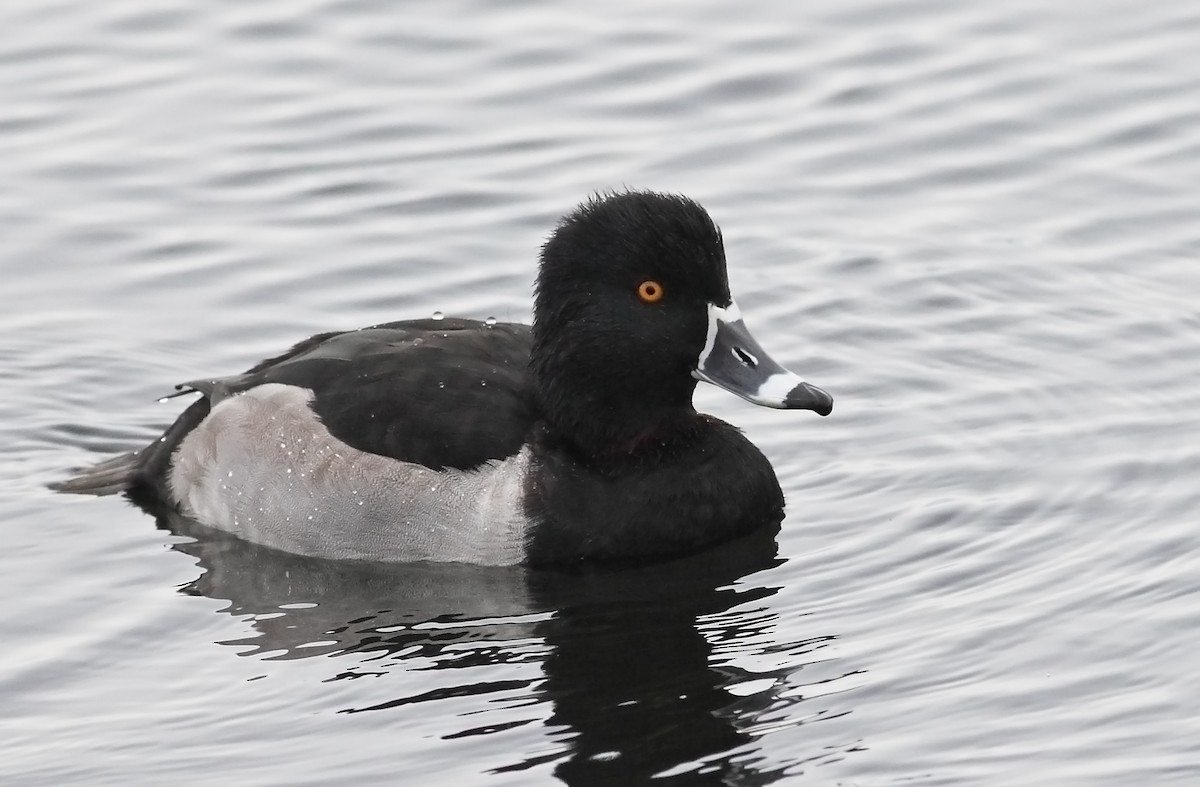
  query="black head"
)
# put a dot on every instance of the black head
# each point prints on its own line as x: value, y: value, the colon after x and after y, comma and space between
x: 621, y: 314
x: 630, y: 295
x: 617, y: 240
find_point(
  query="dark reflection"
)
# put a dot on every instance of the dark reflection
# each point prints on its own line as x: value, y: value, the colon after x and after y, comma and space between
x: 625, y: 666
x: 629, y: 671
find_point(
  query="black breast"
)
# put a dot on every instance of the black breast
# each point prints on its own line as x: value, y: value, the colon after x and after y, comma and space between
x: 699, y: 484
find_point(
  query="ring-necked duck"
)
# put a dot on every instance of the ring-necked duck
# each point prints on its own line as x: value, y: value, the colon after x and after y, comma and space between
x: 458, y: 440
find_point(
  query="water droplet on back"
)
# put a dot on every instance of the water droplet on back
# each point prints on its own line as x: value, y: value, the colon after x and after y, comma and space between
x: 490, y: 321
x: 438, y: 316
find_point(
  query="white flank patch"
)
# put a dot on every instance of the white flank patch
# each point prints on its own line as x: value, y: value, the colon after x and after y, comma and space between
x: 263, y: 467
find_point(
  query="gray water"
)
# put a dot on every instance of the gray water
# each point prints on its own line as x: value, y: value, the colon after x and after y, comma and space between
x: 976, y: 224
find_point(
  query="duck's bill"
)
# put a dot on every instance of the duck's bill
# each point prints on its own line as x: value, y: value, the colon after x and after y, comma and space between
x: 733, y: 360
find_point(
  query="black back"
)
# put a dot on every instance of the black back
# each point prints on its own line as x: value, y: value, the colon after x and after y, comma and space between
x: 441, y: 393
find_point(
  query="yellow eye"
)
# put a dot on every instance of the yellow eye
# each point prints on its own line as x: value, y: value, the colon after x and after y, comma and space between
x: 650, y: 291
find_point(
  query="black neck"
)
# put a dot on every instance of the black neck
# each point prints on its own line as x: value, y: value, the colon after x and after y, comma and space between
x: 609, y: 417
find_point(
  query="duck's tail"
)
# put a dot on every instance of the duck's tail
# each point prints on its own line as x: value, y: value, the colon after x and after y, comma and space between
x: 140, y: 473
x: 106, y: 478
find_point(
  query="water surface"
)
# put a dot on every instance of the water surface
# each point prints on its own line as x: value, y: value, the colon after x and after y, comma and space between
x: 974, y: 223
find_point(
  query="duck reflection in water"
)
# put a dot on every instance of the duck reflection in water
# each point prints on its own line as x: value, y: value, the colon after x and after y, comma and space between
x: 625, y: 654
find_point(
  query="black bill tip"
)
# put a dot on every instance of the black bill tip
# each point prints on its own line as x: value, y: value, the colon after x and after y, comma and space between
x: 809, y: 397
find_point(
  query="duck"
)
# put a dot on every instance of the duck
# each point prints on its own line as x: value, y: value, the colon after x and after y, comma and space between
x: 571, y: 440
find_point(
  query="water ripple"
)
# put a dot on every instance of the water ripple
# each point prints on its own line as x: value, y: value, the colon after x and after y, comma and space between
x: 973, y: 223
